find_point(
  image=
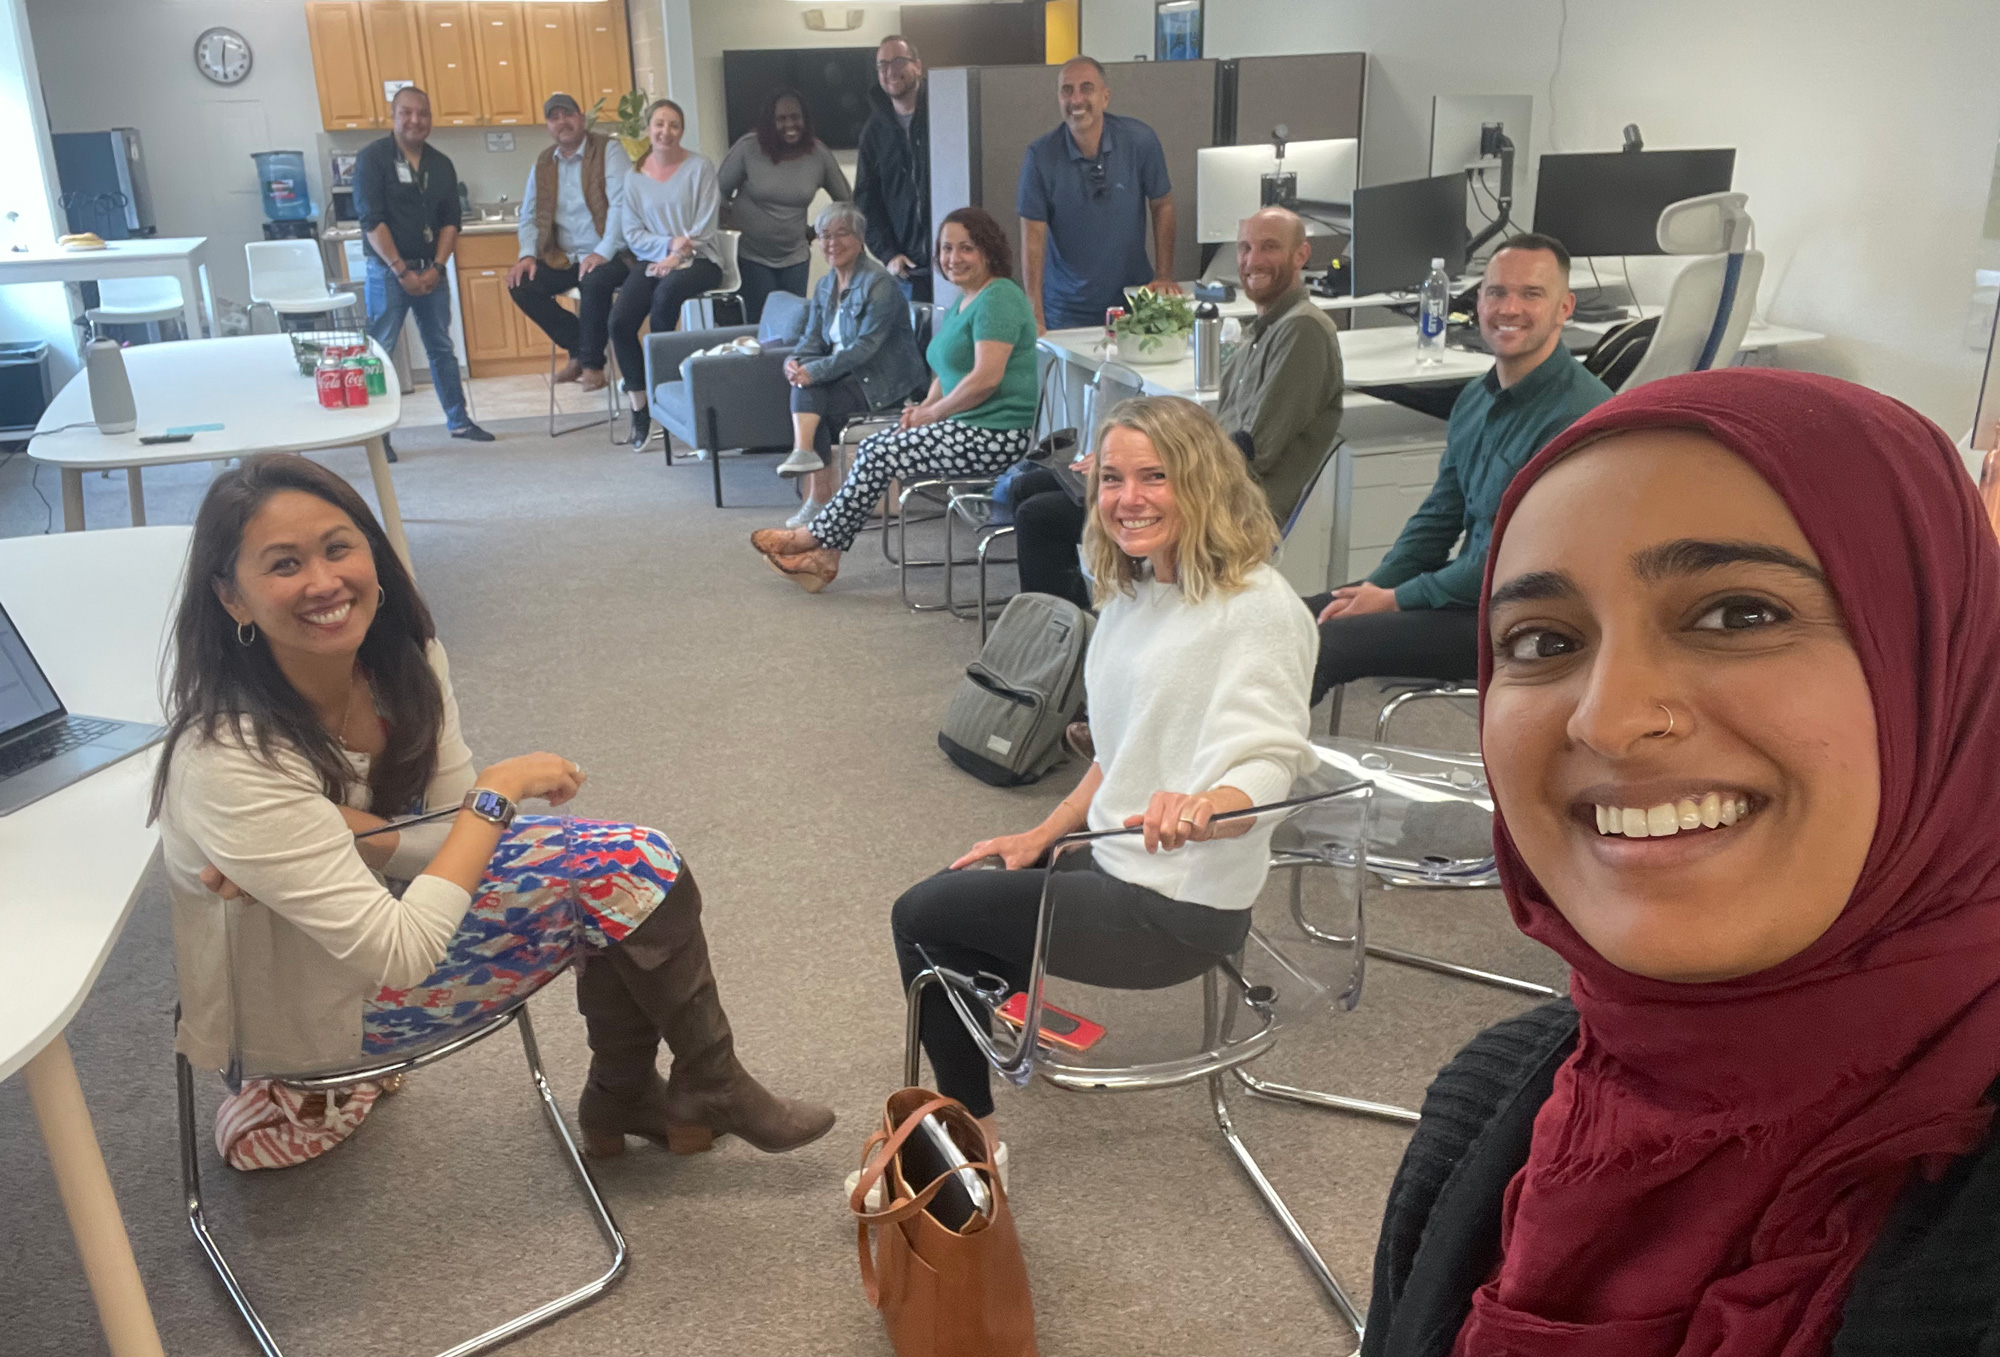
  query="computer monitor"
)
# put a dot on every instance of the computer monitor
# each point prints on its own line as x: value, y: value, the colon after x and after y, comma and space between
x: 1609, y: 202
x: 1229, y: 183
x: 1400, y: 228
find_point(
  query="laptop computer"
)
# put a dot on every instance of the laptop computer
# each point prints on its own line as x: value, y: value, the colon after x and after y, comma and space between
x: 42, y: 747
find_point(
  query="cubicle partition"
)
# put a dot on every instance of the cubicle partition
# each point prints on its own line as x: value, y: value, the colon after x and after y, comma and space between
x: 984, y: 117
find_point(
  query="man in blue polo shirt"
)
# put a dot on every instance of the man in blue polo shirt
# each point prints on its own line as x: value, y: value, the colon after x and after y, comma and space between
x: 1087, y: 189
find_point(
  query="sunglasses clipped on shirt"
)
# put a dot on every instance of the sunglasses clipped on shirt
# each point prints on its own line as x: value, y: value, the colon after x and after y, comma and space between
x: 1095, y: 171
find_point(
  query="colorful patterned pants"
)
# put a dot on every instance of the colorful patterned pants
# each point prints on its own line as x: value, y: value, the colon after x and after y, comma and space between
x: 946, y: 449
x: 556, y: 887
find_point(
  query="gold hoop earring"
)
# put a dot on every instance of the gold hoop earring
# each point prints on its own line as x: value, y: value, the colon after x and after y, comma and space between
x: 1662, y: 734
x: 246, y: 632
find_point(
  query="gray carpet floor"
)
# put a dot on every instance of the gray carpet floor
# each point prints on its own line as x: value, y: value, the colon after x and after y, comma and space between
x: 595, y: 603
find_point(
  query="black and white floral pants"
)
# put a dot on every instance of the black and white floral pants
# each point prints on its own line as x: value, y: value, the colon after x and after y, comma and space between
x: 946, y: 449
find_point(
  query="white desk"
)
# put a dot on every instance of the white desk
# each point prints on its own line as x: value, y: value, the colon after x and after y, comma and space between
x: 94, y: 608
x: 1384, y: 357
x: 1757, y: 339
x: 177, y: 257
x: 250, y: 385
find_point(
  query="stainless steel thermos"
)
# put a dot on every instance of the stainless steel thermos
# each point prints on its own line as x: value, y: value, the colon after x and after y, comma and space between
x: 1207, y: 347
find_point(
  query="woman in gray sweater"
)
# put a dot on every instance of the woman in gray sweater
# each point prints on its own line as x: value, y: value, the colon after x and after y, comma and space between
x: 769, y: 179
x: 669, y: 209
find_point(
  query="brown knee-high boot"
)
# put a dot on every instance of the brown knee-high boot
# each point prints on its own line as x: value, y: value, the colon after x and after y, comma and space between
x: 658, y: 984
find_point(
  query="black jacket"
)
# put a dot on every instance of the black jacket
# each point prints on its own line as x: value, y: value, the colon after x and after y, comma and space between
x: 1930, y: 1284
x: 892, y: 176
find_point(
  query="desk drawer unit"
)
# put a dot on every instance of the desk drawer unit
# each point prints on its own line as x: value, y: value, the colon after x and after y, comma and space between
x: 1381, y: 484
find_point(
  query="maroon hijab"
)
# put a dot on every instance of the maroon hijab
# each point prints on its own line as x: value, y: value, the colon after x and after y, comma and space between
x: 1716, y: 1159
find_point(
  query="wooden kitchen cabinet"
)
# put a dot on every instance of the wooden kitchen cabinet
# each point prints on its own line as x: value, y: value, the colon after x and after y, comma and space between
x: 499, y: 339
x: 483, y: 63
x: 605, y: 52
x: 394, y: 50
x: 506, y: 95
x: 553, y: 62
x: 341, y: 66
x: 451, y: 64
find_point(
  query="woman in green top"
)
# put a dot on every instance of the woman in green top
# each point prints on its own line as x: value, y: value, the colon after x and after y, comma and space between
x: 975, y: 420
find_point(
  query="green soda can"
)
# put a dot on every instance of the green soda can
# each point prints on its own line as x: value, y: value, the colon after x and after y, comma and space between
x: 378, y: 381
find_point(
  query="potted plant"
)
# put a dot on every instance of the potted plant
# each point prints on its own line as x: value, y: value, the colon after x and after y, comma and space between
x: 631, y: 120
x: 1154, y: 328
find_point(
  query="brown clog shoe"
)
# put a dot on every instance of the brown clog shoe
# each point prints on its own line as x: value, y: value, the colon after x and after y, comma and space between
x: 812, y: 571
x: 783, y: 541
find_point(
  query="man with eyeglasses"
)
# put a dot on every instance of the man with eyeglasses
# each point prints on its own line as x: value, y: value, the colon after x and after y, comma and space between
x: 893, y: 167
x: 1417, y: 613
x: 1087, y: 191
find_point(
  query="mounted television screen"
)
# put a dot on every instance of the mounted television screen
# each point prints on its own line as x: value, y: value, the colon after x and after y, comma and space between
x: 834, y: 81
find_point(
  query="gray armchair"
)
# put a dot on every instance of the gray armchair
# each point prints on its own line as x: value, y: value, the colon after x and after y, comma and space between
x: 735, y: 400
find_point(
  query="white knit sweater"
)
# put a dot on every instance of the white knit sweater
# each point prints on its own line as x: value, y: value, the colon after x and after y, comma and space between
x: 1187, y: 698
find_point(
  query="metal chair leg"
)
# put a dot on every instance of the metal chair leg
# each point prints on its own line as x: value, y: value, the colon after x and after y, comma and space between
x: 1218, y: 1092
x: 485, y: 1342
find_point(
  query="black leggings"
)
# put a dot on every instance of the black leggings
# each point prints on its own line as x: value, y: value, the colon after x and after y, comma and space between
x: 835, y: 402
x: 1432, y: 643
x: 640, y: 297
x: 1105, y: 932
x: 1048, y: 527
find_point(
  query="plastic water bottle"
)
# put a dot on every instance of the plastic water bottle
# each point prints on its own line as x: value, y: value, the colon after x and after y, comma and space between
x: 1435, y: 301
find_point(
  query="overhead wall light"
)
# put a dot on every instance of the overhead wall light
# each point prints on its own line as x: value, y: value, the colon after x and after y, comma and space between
x: 817, y: 21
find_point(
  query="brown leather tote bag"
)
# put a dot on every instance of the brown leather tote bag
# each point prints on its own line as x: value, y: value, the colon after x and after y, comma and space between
x: 942, y: 1292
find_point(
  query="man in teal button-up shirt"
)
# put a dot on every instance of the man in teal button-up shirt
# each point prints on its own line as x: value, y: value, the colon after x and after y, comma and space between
x: 1417, y: 613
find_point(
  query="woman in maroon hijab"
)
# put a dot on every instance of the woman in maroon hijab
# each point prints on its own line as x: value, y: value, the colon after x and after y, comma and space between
x: 1742, y: 721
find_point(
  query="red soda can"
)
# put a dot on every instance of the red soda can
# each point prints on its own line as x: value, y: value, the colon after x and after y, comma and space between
x: 354, y: 378
x: 332, y: 384
x: 1112, y: 315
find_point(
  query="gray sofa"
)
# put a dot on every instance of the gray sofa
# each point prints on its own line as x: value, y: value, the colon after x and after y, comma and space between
x: 727, y: 400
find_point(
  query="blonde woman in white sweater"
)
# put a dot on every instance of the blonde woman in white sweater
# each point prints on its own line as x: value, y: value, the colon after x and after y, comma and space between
x: 1198, y: 678
x: 310, y: 702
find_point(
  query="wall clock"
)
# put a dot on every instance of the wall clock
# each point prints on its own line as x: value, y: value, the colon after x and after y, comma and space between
x: 222, y: 55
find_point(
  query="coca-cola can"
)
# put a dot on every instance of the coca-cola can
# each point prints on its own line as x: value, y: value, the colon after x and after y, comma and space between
x: 1112, y: 315
x: 332, y: 384
x: 354, y: 378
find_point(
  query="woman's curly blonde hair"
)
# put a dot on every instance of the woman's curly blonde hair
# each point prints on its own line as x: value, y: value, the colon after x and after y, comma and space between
x: 1226, y: 524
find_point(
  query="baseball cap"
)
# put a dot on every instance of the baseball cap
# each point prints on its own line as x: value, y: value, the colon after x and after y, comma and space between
x: 560, y: 100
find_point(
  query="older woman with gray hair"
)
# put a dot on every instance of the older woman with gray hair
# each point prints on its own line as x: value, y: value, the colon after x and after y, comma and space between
x: 858, y: 353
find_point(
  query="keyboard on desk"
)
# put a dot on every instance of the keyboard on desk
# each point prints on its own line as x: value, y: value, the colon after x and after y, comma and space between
x: 72, y: 733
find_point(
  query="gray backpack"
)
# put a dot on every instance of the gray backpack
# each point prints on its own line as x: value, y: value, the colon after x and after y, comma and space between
x: 1006, y: 720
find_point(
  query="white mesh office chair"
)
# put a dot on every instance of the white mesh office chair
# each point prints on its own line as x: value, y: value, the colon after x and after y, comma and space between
x: 1710, y: 304
x: 289, y: 277
x: 138, y: 301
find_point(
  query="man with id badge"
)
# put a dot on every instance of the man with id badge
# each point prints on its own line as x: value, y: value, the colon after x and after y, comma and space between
x: 406, y: 194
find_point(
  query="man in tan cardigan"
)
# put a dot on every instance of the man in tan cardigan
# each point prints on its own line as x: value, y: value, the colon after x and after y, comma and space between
x: 570, y: 238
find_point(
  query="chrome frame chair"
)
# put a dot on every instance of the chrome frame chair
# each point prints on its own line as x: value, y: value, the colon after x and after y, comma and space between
x: 611, y: 402
x: 516, y: 1013
x: 974, y: 508
x: 1429, y: 872
x: 1225, y: 1054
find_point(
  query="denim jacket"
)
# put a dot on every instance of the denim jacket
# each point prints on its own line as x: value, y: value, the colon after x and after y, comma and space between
x: 882, y: 349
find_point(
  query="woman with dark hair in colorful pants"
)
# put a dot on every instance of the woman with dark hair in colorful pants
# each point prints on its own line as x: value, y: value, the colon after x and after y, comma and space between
x: 974, y: 421
x: 310, y: 701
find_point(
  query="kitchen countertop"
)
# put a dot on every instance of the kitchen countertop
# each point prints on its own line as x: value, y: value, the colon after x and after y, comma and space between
x: 470, y: 228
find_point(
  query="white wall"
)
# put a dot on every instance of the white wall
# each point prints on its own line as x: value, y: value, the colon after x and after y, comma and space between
x: 130, y: 63
x: 1865, y: 137
x: 719, y: 26
x: 30, y: 311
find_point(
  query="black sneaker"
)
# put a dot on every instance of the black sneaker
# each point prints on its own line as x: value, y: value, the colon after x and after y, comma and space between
x: 388, y: 449
x: 472, y: 433
x: 642, y: 430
